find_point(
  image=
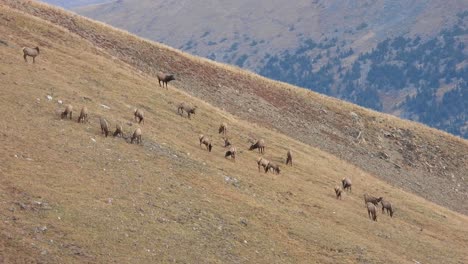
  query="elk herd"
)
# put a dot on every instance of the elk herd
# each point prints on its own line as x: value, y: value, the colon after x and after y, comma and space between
x: 370, y: 202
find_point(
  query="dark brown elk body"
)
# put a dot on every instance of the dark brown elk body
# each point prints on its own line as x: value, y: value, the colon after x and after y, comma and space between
x: 388, y: 206
x: 289, y: 158
x: 222, y: 129
x: 371, y: 211
x: 104, y: 126
x: 262, y: 162
x: 338, y: 192
x: 164, y: 78
x: 260, y: 145
x: 32, y: 52
x: 118, y: 131
x: 187, y: 108
x: 371, y: 199
x: 231, y: 153
x: 136, y: 136
x: 67, y: 112
x: 346, y: 182
x: 273, y: 167
x: 83, y: 115
x: 139, y: 116
x: 205, y: 141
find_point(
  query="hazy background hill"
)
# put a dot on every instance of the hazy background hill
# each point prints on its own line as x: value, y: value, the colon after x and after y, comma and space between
x: 407, y: 58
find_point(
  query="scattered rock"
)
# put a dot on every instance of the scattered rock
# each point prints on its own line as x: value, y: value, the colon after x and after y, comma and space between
x: 243, y: 221
x: 105, y: 106
x: 92, y: 139
x: 59, y: 101
x: 40, y: 229
x: 49, y: 97
x: 231, y: 180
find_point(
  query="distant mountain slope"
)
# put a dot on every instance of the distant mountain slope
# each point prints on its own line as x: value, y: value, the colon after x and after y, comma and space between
x: 314, y: 44
x: 75, y: 3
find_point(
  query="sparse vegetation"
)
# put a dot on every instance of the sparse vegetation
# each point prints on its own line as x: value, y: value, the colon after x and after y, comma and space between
x: 95, y: 200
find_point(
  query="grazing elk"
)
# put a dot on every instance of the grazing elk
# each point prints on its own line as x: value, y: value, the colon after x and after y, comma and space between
x: 187, y: 108
x: 67, y: 112
x: 371, y: 211
x: 274, y: 167
x: 338, y: 192
x: 260, y: 145
x: 227, y: 143
x: 205, y: 141
x: 346, y: 182
x: 231, y: 153
x: 136, y: 136
x: 118, y: 131
x: 262, y: 162
x: 139, y: 116
x: 83, y: 115
x: 388, y: 206
x: 104, y: 126
x: 223, y: 129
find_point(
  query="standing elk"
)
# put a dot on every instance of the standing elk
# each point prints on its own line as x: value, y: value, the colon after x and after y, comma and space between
x: 67, y: 112
x: 164, y: 78
x: 31, y: 52
x: 289, y: 159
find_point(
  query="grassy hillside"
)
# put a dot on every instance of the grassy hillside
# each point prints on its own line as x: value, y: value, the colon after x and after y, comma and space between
x: 69, y: 195
x: 421, y: 160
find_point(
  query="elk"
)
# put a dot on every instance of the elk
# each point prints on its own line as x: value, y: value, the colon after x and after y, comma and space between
x: 187, y: 108
x: 260, y: 145
x: 371, y: 211
x: 338, y: 192
x: 289, y: 158
x: 387, y: 205
x: 139, y: 116
x: 346, y: 182
x: 118, y: 131
x: 164, y: 78
x: 136, y: 136
x: 231, y: 153
x: 222, y: 129
x: 32, y: 52
x: 68, y: 111
x: 104, y: 126
x: 274, y: 167
x: 205, y: 141
x: 371, y: 199
x: 83, y: 115
x: 262, y: 162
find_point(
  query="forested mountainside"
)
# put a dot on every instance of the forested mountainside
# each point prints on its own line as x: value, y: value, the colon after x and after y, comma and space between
x: 419, y: 79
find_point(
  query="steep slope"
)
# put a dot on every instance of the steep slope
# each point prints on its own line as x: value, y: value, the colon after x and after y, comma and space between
x: 70, y: 195
x: 422, y: 160
x: 406, y: 58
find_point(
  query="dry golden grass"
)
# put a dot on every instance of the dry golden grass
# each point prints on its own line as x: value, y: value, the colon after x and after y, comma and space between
x: 103, y: 200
